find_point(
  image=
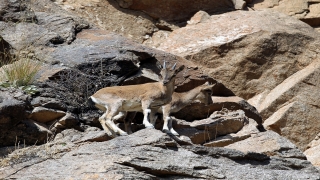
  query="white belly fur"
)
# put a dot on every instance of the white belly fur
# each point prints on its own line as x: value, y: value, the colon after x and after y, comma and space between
x: 131, y: 105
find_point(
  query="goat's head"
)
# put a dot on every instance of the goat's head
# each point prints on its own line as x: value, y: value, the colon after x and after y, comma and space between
x: 168, y: 74
x: 205, y: 93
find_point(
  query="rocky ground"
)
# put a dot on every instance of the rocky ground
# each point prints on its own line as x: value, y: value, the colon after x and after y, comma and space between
x: 263, y: 123
x: 151, y: 154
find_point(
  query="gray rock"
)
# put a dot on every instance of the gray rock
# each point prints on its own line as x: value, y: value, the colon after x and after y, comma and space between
x: 28, y: 34
x: 246, y: 132
x: 199, y: 111
x: 25, y: 132
x: 63, y: 25
x: 45, y: 115
x: 218, y: 124
x: 15, y: 127
x: 269, y: 143
x: 150, y: 154
x: 90, y: 135
x: 12, y: 110
x: 16, y: 11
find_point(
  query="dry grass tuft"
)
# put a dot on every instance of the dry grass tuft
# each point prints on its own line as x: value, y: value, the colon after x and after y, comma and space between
x: 19, y: 73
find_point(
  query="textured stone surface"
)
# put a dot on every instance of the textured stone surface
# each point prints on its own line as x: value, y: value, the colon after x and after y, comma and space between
x: 149, y: 154
x: 247, y: 130
x: 16, y: 11
x: 219, y: 123
x: 12, y: 109
x: 107, y: 15
x: 306, y: 10
x: 313, y: 151
x: 15, y: 128
x: 232, y: 103
x: 251, y: 53
x: 44, y: 115
x: 91, y: 134
x: 175, y: 10
x: 269, y: 143
x: 293, y: 106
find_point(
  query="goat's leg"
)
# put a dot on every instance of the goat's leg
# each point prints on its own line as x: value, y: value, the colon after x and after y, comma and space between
x: 111, y: 124
x: 166, y: 118
x: 128, y: 121
x: 120, y: 116
x: 167, y: 121
x: 153, y: 117
x: 146, y: 123
x: 146, y: 114
x: 171, y: 128
x: 103, y: 124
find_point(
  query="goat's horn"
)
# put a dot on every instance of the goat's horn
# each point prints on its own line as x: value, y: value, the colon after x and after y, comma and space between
x: 164, y: 64
x: 174, y: 66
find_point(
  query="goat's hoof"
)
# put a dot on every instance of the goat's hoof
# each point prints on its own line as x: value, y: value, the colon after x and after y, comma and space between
x: 172, y: 131
x: 109, y: 134
x: 124, y: 134
x: 166, y: 131
x: 149, y: 126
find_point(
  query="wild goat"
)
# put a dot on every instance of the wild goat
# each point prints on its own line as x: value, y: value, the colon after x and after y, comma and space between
x: 147, y: 98
x: 200, y: 94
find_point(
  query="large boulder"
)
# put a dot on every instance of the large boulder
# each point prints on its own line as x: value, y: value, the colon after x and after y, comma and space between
x: 148, y: 154
x: 293, y: 106
x: 250, y: 53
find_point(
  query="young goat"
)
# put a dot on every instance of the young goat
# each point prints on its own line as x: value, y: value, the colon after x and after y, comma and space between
x: 200, y: 94
x: 147, y: 98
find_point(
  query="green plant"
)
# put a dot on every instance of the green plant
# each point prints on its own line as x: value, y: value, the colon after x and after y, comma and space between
x: 20, y: 73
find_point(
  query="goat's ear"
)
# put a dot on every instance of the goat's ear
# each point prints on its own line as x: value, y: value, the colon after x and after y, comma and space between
x: 212, y: 85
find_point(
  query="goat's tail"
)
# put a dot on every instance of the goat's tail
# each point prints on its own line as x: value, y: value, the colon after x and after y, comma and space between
x: 91, y: 104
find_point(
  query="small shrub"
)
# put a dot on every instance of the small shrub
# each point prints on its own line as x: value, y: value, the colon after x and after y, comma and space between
x: 19, y: 73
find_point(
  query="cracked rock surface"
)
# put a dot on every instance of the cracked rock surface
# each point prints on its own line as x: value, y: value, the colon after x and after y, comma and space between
x: 151, y: 154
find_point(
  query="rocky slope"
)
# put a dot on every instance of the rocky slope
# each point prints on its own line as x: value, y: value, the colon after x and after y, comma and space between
x: 264, y: 57
x: 151, y: 154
